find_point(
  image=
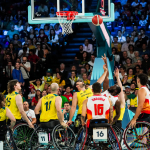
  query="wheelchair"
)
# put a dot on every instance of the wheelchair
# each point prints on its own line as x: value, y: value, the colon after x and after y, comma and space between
x: 52, y: 138
x: 138, y: 137
x: 21, y: 134
x: 97, y: 135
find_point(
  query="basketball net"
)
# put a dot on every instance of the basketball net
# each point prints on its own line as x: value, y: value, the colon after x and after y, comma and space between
x: 66, y: 19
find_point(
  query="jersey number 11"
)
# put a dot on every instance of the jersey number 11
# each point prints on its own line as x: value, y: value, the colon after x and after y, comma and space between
x: 48, y: 105
x: 98, y: 108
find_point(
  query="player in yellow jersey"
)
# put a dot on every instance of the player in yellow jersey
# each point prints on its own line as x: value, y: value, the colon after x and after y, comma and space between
x: 14, y: 102
x: 79, y: 97
x: 4, y: 113
x: 50, y: 106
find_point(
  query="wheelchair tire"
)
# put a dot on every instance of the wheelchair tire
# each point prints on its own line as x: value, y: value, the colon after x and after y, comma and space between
x: 21, y: 135
x: 133, y: 137
x: 63, y: 139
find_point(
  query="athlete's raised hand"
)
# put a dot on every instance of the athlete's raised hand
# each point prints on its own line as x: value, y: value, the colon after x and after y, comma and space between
x: 105, y: 67
x: 116, y: 72
x: 104, y: 59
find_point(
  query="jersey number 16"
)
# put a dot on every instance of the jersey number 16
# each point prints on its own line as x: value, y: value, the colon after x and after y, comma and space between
x: 98, y: 108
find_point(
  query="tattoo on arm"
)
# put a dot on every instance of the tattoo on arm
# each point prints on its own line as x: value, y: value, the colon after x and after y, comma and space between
x: 83, y: 118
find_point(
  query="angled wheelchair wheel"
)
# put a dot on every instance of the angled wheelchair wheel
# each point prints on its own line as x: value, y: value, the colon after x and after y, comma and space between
x: 139, y: 137
x: 41, y: 139
x: 80, y: 138
x: 21, y: 135
x: 63, y: 138
x: 113, y: 141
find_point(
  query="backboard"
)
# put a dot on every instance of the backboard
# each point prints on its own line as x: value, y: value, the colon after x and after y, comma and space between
x: 44, y: 11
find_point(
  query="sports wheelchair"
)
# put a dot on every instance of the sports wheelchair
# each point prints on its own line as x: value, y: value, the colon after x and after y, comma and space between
x: 52, y: 138
x: 138, y: 137
x: 97, y: 134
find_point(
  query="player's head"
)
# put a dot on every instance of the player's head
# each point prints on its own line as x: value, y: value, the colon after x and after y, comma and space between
x: 142, y: 79
x: 114, y: 90
x: 80, y: 84
x: 54, y: 87
x: 96, y: 87
x: 13, y: 85
x: 26, y: 105
x: 67, y: 106
x: 2, y: 103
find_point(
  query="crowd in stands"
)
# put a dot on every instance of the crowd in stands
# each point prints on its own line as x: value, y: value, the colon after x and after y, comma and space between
x: 28, y: 52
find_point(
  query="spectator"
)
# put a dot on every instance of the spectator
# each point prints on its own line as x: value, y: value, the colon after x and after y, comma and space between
x: 32, y: 34
x: 137, y: 70
x: 114, y: 52
x: 91, y: 62
x: 73, y: 78
x: 143, y: 3
x: 31, y: 94
x: 52, y: 14
x: 25, y: 70
x: 8, y: 70
x: 117, y: 14
x: 17, y: 44
x: 125, y: 45
x: 130, y: 73
x: 143, y: 21
x: 44, y: 93
x: 16, y: 74
x: 130, y: 53
x: 66, y: 111
x: 37, y: 97
x: 80, y: 53
x: 144, y: 50
x: 146, y: 63
x: 48, y: 78
x: 133, y: 101
x: 122, y: 72
x: 144, y: 37
x: 19, y: 26
x: 12, y: 32
x: 85, y: 80
x: 84, y: 60
x: 116, y: 44
x: 135, y: 3
x: 43, y: 10
x: 24, y: 33
x: 63, y: 71
x: 136, y: 58
x: 129, y: 63
x: 59, y: 80
x: 53, y: 38
x: 123, y: 58
x: 87, y: 47
x: 87, y: 67
x: 125, y: 81
x: 23, y: 52
x: 42, y: 35
x: 121, y: 38
x: 46, y: 30
x: 73, y: 68
x: 139, y: 42
x: 38, y: 84
x: 131, y: 21
x: 30, y: 113
x: 68, y: 94
x: 57, y: 30
x: 32, y: 57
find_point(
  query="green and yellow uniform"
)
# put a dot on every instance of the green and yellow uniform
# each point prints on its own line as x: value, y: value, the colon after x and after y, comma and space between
x: 81, y: 96
x: 11, y: 104
x: 48, y: 108
x: 3, y: 114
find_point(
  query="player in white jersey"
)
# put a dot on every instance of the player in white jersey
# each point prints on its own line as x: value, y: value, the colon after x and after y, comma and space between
x: 143, y: 100
x: 97, y: 106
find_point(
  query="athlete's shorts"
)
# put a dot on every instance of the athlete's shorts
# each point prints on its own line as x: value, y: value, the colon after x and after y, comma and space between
x: 3, y: 130
x: 50, y: 124
x: 144, y: 117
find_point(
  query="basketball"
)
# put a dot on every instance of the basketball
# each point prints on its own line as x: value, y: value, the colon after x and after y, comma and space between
x: 97, y: 20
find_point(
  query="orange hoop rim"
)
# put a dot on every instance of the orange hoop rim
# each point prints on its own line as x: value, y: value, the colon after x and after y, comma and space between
x: 66, y: 13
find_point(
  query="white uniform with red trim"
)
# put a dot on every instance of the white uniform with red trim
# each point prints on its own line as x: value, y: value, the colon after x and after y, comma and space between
x: 112, y: 98
x: 98, y: 107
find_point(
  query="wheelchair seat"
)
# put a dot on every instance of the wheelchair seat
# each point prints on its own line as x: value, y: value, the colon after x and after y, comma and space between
x: 99, y: 123
x: 50, y: 125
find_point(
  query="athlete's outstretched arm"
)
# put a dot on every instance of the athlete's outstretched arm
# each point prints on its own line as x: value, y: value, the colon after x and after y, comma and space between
x: 117, y: 108
x: 22, y: 112
x: 58, y: 102
x: 121, y: 94
x: 101, y: 79
x: 141, y: 98
x: 83, y: 115
x: 110, y: 112
x: 11, y: 117
x: 73, y: 107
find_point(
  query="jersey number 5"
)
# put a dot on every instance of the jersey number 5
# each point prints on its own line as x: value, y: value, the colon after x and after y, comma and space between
x: 48, y: 105
x: 98, y: 108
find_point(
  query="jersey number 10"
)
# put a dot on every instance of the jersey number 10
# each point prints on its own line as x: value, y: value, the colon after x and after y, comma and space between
x: 98, y: 108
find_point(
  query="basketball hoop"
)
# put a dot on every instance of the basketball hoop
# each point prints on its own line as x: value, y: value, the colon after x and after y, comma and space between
x: 65, y: 19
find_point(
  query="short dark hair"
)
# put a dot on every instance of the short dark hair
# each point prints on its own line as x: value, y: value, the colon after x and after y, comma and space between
x: 66, y: 103
x: 118, y: 90
x: 96, y: 87
x: 143, y: 78
x: 10, y: 85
